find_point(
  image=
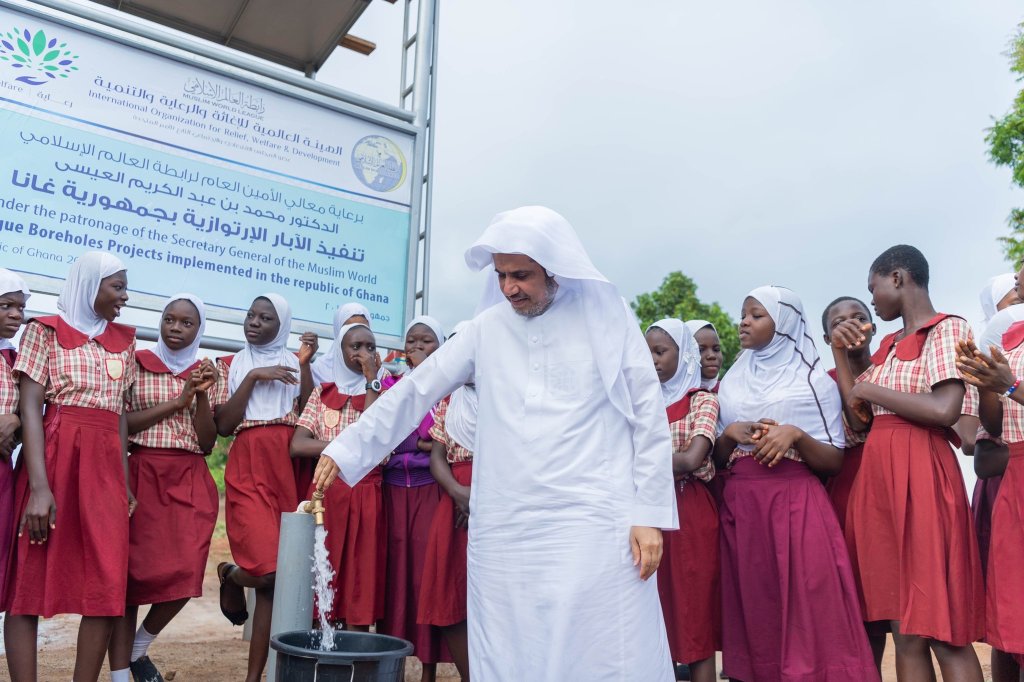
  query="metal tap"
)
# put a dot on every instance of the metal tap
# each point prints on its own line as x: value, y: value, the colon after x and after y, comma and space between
x: 316, y: 507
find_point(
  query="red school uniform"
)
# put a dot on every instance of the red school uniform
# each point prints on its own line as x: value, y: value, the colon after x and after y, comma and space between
x: 83, y: 565
x: 839, y: 486
x: 908, y: 525
x: 8, y: 405
x: 443, y: 588
x: 1005, y: 578
x: 170, y: 531
x: 259, y: 484
x: 688, y: 577
x: 354, y: 519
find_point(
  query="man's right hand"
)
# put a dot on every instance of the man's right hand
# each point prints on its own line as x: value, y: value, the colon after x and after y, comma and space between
x: 326, y: 472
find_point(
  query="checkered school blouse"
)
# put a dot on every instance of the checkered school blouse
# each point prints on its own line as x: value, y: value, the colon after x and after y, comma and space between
x: 936, y: 363
x: 701, y: 420
x: 456, y: 452
x: 1013, y: 412
x: 323, y: 422
x: 152, y: 388
x: 8, y: 384
x: 220, y: 394
x: 86, y: 376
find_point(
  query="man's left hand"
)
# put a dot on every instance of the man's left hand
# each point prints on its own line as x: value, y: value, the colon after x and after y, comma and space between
x: 647, y: 545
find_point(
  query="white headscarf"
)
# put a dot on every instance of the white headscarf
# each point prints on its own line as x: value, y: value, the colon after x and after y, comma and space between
x: 323, y: 366
x: 695, y: 326
x: 784, y: 380
x: 269, y: 399
x: 997, y: 326
x: 460, y: 419
x: 179, y: 360
x: 78, y: 296
x: 994, y: 291
x: 687, y: 376
x: 9, y: 283
x: 430, y: 322
x: 549, y: 239
x: 347, y: 381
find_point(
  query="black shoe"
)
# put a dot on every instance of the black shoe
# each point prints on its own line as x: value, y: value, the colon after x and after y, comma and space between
x: 682, y: 671
x: 143, y: 670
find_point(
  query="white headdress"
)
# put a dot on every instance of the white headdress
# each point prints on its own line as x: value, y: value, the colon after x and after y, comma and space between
x: 687, y: 376
x: 784, y: 380
x: 994, y: 290
x: 269, y: 399
x: 323, y: 366
x: 695, y: 326
x: 179, y: 360
x: 347, y: 381
x: 549, y: 239
x: 77, y: 297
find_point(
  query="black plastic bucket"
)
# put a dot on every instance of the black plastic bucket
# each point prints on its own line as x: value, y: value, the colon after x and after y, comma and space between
x: 357, y: 657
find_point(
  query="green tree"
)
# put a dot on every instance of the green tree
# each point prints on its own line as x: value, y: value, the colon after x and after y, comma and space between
x: 677, y: 297
x: 1006, y: 148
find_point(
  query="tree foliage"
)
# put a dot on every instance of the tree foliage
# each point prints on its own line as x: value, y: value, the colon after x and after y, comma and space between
x: 1006, y: 148
x: 677, y: 297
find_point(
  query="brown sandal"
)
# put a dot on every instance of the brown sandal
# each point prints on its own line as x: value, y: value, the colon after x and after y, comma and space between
x: 230, y: 592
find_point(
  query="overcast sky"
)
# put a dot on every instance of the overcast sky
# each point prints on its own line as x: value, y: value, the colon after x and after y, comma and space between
x: 744, y: 143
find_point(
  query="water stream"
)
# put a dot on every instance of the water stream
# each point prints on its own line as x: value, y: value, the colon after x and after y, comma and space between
x: 323, y: 574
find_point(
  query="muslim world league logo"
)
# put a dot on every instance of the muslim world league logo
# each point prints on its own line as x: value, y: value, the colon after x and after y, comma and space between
x: 39, y: 58
x: 378, y: 163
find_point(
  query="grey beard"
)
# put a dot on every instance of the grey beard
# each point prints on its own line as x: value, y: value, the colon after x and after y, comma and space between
x: 550, y: 287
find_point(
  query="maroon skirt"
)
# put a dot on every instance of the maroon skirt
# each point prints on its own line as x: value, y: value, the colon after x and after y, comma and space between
x: 840, y: 485
x: 688, y: 577
x: 910, y: 535
x: 787, y: 587
x: 357, y: 547
x: 443, y: 590
x: 83, y: 565
x: 985, y: 491
x: 409, y: 513
x: 259, y: 485
x: 1005, y: 606
x: 172, y: 526
x: 7, y: 521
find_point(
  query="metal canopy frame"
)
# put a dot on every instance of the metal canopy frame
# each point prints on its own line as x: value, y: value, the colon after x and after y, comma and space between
x: 415, y: 115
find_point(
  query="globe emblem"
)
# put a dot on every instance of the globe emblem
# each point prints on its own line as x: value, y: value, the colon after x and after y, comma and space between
x: 378, y: 163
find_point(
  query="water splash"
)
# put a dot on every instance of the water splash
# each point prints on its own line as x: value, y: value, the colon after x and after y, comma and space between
x: 323, y: 574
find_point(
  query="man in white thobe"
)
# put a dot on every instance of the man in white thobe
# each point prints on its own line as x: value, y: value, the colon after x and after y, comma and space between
x: 572, y: 474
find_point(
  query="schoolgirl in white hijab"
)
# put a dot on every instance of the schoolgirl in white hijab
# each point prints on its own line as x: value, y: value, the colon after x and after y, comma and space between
x: 430, y: 322
x: 323, y: 367
x: 9, y: 284
x: 694, y: 326
x: 269, y: 399
x: 687, y: 376
x: 783, y: 381
x: 347, y: 381
x: 77, y: 297
x: 179, y: 360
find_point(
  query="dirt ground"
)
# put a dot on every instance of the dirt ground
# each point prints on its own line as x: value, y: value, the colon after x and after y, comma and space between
x: 200, y: 644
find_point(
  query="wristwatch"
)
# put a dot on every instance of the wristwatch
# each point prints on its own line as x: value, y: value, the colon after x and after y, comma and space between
x: 373, y: 386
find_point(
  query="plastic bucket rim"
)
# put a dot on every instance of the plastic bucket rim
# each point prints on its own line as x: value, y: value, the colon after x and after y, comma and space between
x: 404, y: 650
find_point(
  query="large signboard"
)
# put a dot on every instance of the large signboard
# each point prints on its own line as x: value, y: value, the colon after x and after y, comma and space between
x: 199, y: 180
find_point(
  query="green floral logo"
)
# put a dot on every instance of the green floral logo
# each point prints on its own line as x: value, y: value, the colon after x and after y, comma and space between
x: 40, y: 58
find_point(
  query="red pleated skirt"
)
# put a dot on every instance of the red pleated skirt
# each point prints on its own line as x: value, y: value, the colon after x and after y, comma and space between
x: 170, y: 532
x: 7, y: 522
x: 788, y: 593
x: 443, y: 590
x: 688, y: 577
x: 910, y: 535
x: 357, y: 548
x: 409, y: 513
x: 1005, y: 606
x: 302, y: 469
x: 985, y: 491
x: 83, y: 565
x: 259, y: 484
x: 840, y: 485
